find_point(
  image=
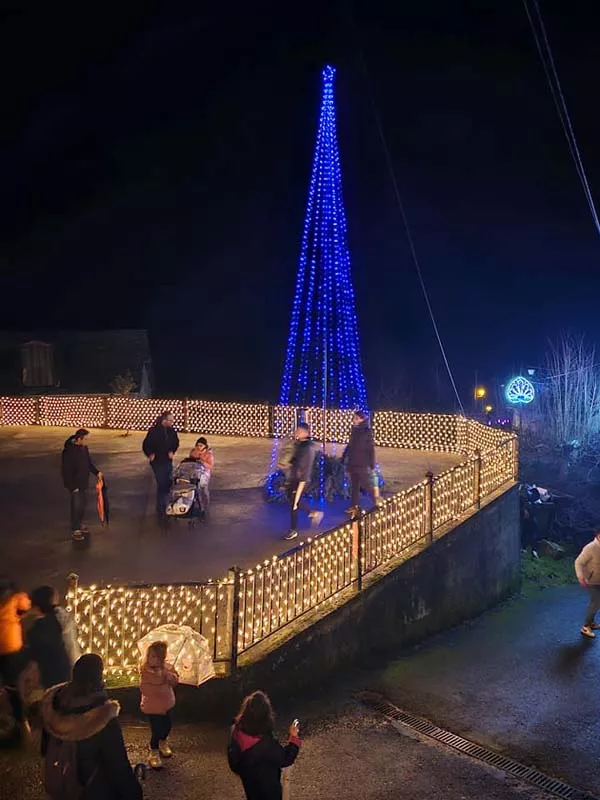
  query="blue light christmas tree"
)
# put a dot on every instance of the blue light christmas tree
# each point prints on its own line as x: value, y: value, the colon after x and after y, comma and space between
x: 322, y: 365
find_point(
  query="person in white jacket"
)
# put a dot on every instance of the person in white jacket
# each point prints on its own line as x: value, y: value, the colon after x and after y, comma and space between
x: 587, y: 569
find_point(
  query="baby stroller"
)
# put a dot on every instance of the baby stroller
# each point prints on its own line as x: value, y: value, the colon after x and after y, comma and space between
x: 185, y: 500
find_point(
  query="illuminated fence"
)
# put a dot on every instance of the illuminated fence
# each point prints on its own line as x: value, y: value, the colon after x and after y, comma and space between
x: 112, y: 619
x: 73, y: 411
x: 228, y: 419
x: 283, y: 589
x: 395, y: 527
x: 417, y: 431
x: 137, y: 414
x: 332, y: 424
x: 17, y: 411
x: 251, y: 605
x: 438, y: 432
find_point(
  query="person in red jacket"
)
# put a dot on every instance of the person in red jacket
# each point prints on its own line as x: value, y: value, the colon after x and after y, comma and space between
x: 253, y: 752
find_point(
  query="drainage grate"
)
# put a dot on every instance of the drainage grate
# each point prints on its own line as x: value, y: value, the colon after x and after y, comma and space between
x: 520, y: 771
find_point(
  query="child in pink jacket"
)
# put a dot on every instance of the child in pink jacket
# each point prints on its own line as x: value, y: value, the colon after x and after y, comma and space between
x: 157, y: 679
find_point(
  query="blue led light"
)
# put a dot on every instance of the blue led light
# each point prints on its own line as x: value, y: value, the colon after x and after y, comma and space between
x: 519, y: 391
x: 322, y: 364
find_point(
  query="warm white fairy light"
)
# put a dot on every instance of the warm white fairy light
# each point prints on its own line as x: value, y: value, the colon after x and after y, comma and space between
x: 73, y: 411
x: 228, y: 419
x: 416, y: 431
x: 112, y: 619
x: 17, y: 411
x: 333, y: 424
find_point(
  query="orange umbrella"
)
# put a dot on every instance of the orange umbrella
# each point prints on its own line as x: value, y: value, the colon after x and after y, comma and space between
x: 102, y: 501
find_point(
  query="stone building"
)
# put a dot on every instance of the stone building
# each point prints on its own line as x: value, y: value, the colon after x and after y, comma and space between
x: 38, y: 361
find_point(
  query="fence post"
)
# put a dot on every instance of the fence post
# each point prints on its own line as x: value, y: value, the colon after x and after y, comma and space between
x: 37, y: 412
x: 186, y: 416
x: 72, y: 585
x: 477, y: 480
x: 105, y: 411
x: 271, y: 423
x: 234, y: 573
x: 358, y: 549
x: 429, y: 506
x: 515, y: 458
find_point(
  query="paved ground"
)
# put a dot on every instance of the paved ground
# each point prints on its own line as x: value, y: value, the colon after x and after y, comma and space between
x: 348, y: 754
x: 520, y: 679
x: 34, y: 538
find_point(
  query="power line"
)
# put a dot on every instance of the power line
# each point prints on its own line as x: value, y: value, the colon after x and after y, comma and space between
x: 547, y: 59
x: 403, y: 215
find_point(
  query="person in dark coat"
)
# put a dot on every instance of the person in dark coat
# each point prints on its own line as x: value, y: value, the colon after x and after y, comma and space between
x: 253, y: 752
x: 299, y: 471
x: 51, y: 638
x: 159, y: 446
x: 80, y: 712
x: 77, y: 466
x: 359, y: 460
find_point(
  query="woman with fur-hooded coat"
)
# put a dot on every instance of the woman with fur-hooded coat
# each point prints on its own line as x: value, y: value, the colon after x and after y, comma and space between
x: 81, y: 712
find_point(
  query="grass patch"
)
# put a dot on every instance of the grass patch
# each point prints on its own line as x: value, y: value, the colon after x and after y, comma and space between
x: 543, y: 572
x: 120, y: 681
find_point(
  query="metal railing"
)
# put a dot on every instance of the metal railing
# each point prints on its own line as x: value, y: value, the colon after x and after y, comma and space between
x: 438, y: 432
x: 249, y: 606
x: 112, y: 619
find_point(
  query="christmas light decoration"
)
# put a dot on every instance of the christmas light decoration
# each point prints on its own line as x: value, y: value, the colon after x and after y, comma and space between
x: 520, y: 391
x: 17, y: 411
x: 438, y: 432
x: 322, y: 365
x: 72, y: 411
x: 228, y: 419
x: 111, y: 620
x: 313, y: 575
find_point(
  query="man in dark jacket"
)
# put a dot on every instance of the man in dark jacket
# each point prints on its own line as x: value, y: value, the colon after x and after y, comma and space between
x: 76, y: 468
x: 300, y: 472
x: 80, y: 715
x: 359, y: 460
x: 159, y: 446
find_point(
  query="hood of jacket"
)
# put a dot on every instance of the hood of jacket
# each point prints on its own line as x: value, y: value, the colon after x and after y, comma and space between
x: 253, y: 749
x: 244, y: 740
x: 72, y: 719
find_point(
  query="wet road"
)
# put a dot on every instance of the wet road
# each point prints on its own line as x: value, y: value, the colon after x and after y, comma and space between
x: 347, y: 754
x: 520, y: 679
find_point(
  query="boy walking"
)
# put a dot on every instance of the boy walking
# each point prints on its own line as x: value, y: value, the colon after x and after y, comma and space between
x: 300, y: 473
x: 587, y: 569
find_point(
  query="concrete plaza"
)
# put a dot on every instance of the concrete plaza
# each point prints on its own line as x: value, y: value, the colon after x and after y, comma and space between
x: 35, y: 543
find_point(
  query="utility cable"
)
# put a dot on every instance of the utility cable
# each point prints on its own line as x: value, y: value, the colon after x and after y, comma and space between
x: 409, y: 236
x: 547, y: 59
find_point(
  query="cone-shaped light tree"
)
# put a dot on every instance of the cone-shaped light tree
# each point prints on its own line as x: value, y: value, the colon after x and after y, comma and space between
x: 322, y: 365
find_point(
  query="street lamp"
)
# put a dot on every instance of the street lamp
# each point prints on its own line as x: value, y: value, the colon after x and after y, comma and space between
x: 480, y: 392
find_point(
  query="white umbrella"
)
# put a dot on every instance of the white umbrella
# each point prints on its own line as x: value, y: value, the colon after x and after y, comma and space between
x: 187, y: 650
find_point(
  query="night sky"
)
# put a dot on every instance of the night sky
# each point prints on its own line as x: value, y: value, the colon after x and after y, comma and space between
x: 155, y: 165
